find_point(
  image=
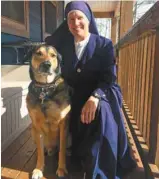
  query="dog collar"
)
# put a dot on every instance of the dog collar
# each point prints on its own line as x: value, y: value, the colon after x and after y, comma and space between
x: 44, y: 95
x: 41, y: 90
x: 55, y: 83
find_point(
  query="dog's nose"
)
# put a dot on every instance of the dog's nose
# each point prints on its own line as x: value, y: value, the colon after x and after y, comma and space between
x: 45, y: 67
x: 47, y: 64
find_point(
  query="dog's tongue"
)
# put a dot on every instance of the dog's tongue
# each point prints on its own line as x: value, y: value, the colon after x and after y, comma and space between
x: 50, y: 78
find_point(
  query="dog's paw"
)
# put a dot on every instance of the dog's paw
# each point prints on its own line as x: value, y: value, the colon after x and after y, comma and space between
x: 61, y: 172
x: 37, y: 174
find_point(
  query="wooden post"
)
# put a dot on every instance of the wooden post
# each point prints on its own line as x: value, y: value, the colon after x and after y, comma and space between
x: 113, y: 30
x: 154, y: 123
x: 115, y: 24
x: 126, y: 17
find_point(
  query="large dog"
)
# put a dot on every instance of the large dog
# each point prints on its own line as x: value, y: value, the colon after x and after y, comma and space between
x: 48, y: 104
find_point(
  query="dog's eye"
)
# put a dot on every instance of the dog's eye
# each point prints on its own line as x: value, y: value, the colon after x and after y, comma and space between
x: 52, y: 55
x: 39, y: 53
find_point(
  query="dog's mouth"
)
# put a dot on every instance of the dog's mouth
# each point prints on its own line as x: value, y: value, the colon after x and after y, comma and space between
x: 45, y: 72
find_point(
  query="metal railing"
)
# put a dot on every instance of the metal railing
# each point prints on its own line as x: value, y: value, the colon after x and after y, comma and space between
x: 18, y: 45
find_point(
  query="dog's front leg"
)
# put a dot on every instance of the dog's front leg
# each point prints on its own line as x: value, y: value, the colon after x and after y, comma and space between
x: 61, y: 171
x: 38, y: 171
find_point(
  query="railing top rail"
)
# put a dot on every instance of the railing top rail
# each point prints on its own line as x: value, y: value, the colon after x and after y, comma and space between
x: 21, y: 44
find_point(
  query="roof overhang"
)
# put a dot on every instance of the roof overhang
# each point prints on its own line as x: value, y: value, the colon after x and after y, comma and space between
x: 103, y: 9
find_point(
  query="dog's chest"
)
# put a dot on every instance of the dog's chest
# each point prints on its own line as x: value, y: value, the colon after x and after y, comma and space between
x: 54, y: 114
x: 49, y: 127
x: 48, y: 107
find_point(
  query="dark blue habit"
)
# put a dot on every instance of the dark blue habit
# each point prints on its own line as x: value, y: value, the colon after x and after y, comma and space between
x: 102, y: 145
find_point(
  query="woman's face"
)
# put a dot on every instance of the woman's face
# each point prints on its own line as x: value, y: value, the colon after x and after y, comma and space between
x: 78, y: 24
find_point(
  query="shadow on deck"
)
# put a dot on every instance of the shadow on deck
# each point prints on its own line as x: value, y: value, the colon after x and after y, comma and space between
x: 19, y: 160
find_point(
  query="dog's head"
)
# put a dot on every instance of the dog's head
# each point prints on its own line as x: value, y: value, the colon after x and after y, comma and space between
x: 44, y: 63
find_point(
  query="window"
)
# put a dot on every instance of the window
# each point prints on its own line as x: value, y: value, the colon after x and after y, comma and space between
x: 15, y: 18
x: 140, y: 8
x: 104, y: 26
x: 49, y: 17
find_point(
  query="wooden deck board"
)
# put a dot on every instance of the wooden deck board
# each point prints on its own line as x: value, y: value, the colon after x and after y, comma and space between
x: 28, y: 168
x: 15, y: 146
x: 19, y: 160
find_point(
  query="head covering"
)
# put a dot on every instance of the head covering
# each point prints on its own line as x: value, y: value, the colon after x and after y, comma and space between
x: 76, y: 5
x: 80, y: 12
x: 84, y: 7
x: 62, y: 33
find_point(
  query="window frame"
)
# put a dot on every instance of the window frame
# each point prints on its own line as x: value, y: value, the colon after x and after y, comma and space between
x: 44, y: 33
x: 13, y: 27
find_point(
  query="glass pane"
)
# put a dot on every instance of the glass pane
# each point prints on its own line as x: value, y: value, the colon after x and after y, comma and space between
x: 13, y: 10
x: 104, y: 26
x: 140, y: 8
x: 50, y: 17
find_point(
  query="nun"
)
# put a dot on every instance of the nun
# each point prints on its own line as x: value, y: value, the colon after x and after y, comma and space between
x: 99, y: 139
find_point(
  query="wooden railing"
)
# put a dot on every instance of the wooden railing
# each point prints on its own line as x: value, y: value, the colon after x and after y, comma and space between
x: 138, y: 76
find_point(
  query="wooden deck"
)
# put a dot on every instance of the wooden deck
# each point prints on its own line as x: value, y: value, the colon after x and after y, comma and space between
x: 19, y: 159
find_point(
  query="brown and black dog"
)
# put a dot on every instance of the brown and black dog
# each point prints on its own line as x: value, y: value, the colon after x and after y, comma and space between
x: 48, y: 104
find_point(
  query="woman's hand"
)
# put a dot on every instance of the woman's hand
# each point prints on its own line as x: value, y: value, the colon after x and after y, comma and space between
x: 89, y: 110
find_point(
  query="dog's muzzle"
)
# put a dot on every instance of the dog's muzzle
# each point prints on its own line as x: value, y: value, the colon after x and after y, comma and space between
x: 45, y: 67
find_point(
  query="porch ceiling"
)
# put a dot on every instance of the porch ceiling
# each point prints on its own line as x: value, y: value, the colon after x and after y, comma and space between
x: 103, y: 6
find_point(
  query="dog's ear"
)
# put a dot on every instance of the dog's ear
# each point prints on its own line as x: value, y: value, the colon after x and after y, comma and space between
x: 59, y: 60
x: 28, y: 53
x: 59, y: 57
x: 28, y: 57
x: 30, y: 48
x: 31, y: 73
